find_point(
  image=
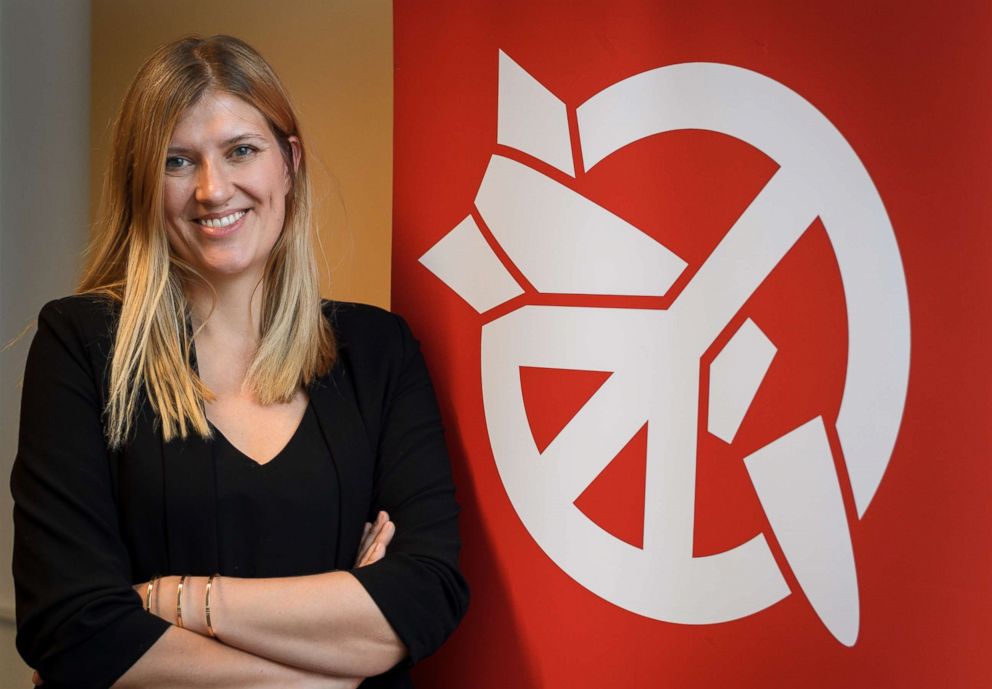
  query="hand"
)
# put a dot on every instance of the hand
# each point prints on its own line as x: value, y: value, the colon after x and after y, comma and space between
x: 375, y: 538
x: 165, y: 608
x: 142, y: 590
x: 36, y: 679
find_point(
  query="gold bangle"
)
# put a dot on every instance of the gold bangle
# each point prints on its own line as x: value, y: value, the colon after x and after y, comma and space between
x: 179, y: 601
x: 148, y: 593
x: 206, y: 606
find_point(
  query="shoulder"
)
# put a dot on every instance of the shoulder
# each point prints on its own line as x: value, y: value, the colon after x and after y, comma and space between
x: 88, y: 312
x: 371, y: 330
x: 84, y: 323
x: 376, y: 350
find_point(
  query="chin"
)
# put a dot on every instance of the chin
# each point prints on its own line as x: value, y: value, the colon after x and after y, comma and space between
x: 230, y: 266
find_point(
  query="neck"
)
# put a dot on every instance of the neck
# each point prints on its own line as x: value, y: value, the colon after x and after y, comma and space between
x: 231, y: 312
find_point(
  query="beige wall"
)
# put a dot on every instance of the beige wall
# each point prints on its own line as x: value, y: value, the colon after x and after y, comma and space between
x: 336, y: 59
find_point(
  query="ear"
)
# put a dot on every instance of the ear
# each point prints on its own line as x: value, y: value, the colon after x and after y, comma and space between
x: 296, y: 153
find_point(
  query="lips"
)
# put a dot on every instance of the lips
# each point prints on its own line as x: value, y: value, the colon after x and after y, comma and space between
x: 216, y: 225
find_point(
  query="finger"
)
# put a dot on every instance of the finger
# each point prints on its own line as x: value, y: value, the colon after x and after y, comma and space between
x: 372, y: 534
x: 363, y: 559
x: 378, y: 549
x: 376, y: 553
x: 364, y: 544
x: 386, y: 534
x: 365, y: 554
x: 376, y: 529
x: 368, y: 540
x: 36, y: 679
x: 365, y: 541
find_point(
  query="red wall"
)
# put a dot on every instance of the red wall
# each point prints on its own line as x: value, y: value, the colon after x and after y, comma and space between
x: 906, y: 85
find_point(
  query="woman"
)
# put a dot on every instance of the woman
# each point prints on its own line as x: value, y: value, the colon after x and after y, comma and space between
x: 202, y: 440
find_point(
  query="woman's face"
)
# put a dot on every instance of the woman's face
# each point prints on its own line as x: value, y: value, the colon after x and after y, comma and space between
x: 225, y: 188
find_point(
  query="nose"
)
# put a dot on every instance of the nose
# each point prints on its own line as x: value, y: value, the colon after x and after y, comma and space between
x: 213, y: 184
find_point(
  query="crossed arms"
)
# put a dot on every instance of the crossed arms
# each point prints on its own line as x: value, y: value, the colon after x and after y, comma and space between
x: 80, y: 622
x: 322, y: 630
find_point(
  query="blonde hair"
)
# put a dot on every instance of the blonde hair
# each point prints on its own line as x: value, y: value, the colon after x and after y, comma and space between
x: 130, y: 260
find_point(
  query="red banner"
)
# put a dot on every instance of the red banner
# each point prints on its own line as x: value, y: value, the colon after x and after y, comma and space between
x: 704, y: 291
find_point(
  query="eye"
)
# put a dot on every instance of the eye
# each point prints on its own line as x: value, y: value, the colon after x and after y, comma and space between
x: 243, y: 151
x: 176, y: 163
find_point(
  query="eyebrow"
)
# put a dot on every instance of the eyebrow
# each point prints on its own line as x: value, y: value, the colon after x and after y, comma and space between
x: 247, y: 136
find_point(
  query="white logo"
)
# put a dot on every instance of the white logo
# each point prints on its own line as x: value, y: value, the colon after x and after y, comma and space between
x: 565, y: 243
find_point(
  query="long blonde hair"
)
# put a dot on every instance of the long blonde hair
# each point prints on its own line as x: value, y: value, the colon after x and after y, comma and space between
x: 129, y: 259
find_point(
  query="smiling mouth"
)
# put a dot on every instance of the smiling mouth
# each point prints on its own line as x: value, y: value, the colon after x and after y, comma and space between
x: 222, y: 222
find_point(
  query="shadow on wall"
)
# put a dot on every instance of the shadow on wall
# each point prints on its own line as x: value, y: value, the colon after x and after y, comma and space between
x: 13, y: 671
x: 474, y: 651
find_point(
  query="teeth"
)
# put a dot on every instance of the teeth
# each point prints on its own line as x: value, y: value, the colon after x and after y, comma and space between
x: 222, y: 222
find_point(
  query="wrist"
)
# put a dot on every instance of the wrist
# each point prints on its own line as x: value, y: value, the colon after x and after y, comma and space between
x: 166, y: 600
x: 163, y: 599
x: 210, y: 604
x: 194, y: 592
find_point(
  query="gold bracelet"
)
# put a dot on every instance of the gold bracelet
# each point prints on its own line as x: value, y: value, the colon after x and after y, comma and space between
x: 148, y: 593
x: 206, y: 606
x: 179, y: 601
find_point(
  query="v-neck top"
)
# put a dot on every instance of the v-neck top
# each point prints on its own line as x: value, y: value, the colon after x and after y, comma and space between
x: 279, y: 518
x: 92, y: 521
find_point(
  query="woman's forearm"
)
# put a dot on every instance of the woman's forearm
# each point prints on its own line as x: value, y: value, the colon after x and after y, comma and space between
x: 322, y: 623
x: 181, y: 658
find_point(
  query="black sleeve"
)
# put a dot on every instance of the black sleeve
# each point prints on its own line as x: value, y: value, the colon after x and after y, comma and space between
x: 79, y: 622
x: 418, y: 585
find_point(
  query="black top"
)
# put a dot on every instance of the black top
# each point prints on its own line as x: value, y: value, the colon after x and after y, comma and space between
x: 276, y: 519
x: 88, y: 522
